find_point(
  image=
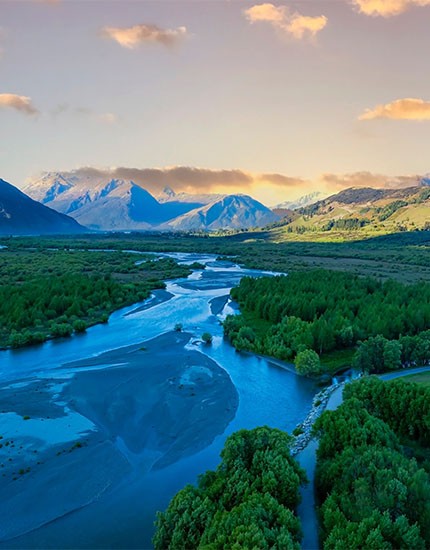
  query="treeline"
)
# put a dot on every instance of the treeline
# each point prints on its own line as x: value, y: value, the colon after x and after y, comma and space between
x: 373, y: 494
x: 248, y: 502
x: 377, y: 354
x: 51, y: 294
x: 57, y: 306
x: 323, y: 310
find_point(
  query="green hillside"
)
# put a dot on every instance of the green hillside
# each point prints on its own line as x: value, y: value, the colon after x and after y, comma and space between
x: 360, y: 212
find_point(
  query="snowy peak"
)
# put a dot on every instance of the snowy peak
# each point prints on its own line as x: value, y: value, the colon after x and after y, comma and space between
x: 301, y: 202
x: 117, y: 204
x: 229, y: 212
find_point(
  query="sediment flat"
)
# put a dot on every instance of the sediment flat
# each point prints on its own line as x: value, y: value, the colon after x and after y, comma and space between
x: 95, y: 421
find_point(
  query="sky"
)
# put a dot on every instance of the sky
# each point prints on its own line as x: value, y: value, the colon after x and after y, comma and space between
x: 272, y: 99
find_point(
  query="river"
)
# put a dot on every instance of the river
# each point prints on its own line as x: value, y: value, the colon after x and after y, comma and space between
x: 108, y: 495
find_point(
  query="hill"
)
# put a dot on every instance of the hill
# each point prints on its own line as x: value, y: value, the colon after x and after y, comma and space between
x: 366, y: 210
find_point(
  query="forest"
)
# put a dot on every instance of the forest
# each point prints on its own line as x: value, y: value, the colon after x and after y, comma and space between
x: 248, y: 502
x: 326, y: 311
x: 53, y: 293
x: 373, y: 466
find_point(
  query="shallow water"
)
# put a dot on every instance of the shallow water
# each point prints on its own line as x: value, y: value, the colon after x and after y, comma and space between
x: 268, y: 394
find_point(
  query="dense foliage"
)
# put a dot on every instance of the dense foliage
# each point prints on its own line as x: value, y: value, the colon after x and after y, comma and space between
x: 54, y: 293
x: 248, y: 502
x: 324, y: 311
x: 373, y: 494
x: 377, y: 354
x: 405, y: 407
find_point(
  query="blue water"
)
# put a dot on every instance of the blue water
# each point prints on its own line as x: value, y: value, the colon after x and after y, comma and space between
x: 123, y: 517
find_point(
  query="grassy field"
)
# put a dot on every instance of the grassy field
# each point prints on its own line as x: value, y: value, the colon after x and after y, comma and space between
x: 337, y: 360
x: 423, y: 379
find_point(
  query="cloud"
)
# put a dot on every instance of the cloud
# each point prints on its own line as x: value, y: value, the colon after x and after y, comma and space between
x: 281, y: 180
x: 65, y: 108
x: 337, y: 182
x: 132, y: 37
x: 401, y: 109
x: 19, y: 103
x: 387, y: 8
x: 191, y: 179
x: 291, y: 23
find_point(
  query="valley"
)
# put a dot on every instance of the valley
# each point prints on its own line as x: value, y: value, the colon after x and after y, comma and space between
x: 114, y: 392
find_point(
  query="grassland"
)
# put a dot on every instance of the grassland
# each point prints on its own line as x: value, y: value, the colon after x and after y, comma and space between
x: 423, y: 379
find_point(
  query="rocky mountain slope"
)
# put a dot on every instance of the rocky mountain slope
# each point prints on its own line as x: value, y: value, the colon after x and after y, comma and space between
x: 21, y: 215
x: 124, y: 205
x: 230, y: 212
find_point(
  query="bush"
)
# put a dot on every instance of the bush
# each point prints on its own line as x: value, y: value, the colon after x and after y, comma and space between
x: 79, y: 326
x: 207, y: 337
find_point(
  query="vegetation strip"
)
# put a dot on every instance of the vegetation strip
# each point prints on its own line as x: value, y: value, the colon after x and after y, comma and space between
x: 52, y: 293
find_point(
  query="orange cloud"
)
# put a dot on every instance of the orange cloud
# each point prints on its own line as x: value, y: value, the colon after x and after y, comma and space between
x: 294, y: 24
x: 401, y: 109
x: 387, y: 8
x: 132, y: 37
x: 337, y: 182
x: 192, y: 179
x: 19, y: 103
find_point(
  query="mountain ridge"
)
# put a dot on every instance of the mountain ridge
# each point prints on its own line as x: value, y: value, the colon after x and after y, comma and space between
x: 117, y: 204
x: 21, y: 215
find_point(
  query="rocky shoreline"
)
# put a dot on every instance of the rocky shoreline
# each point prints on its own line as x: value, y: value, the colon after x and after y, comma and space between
x: 319, y: 404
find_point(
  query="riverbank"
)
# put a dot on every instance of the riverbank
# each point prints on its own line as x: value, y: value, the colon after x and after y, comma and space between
x: 319, y: 404
x: 159, y: 296
x: 69, y: 438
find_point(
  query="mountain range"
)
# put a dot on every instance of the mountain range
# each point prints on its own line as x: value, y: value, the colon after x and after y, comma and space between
x: 21, y: 215
x: 70, y: 204
x: 117, y: 204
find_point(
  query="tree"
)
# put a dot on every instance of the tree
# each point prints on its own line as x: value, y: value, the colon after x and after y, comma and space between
x: 207, y: 337
x: 308, y: 363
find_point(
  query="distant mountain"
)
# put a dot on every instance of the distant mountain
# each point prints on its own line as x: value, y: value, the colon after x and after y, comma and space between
x: 231, y: 211
x: 114, y: 204
x: 305, y: 200
x: 356, y: 208
x: 124, y: 205
x: 21, y: 215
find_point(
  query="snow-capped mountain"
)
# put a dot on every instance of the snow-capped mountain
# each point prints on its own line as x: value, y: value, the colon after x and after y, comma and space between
x: 21, y: 215
x: 231, y: 211
x: 301, y: 202
x: 105, y: 204
x: 117, y: 204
